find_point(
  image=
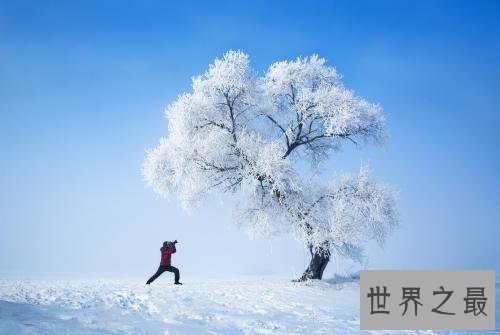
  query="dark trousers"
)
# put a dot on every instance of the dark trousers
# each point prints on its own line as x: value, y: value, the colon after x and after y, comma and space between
x: 162, y: 269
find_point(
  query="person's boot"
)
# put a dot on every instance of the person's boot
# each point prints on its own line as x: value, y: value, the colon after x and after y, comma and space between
x: 177, y: 283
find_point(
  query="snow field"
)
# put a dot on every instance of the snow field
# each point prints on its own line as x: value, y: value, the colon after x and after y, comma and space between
x: 259, y: 306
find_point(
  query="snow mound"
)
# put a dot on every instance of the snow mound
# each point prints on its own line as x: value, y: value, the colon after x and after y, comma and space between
x: 210, y: 307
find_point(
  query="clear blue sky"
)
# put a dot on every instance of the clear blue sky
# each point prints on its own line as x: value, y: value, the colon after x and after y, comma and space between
x: 83, y: 87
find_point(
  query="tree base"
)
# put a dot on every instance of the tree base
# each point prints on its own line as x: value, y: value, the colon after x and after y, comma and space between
x: 319, y: 260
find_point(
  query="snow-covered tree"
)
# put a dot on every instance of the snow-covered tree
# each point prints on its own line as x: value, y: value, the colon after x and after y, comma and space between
x: 238, y: 131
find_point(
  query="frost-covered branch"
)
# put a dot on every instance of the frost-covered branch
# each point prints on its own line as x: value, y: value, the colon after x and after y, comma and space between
x: 309, y: 98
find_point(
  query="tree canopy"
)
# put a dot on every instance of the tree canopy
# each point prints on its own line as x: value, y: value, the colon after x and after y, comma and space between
x: 241, y: 131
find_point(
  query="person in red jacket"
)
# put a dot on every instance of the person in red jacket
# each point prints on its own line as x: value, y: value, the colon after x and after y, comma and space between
x: 166, y: 254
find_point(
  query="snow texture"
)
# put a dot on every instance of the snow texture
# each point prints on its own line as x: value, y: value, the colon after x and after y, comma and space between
x: 257, y: 306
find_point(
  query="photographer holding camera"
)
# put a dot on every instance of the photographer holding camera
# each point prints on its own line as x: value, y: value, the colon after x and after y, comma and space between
x: 166, y: 253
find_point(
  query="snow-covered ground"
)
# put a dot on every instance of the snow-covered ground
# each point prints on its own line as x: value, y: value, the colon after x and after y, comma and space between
x: 257, y: 306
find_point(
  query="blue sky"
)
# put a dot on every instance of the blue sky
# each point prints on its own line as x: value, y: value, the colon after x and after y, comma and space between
x: 83, y: 87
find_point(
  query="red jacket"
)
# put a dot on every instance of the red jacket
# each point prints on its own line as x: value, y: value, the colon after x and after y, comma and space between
x: 166, y: 253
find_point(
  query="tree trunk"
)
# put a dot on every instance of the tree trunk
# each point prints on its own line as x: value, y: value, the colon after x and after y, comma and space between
x: 319, y: 259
